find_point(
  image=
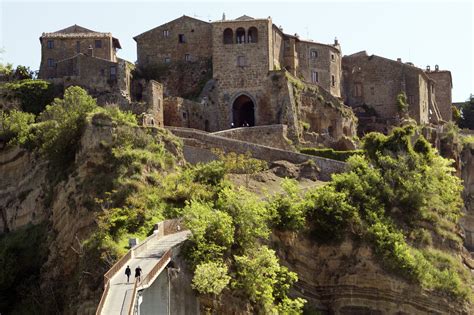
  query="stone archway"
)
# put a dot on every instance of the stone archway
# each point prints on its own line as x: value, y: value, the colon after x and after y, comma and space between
x: 243, y: 111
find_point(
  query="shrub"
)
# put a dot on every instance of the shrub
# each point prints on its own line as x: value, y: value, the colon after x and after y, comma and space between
x: 290, y: 214
x: 210, y: 278
x: 402, y: 103
x: 14, y: 126
x: 34, y: 95
x: 331, y: 153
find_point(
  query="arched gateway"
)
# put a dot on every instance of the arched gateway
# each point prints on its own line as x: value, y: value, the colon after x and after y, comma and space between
x: 243, y: 111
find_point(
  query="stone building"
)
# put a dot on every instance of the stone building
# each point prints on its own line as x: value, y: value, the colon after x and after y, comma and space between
x: 444, y: 84
x: 86, y: 58
x: 371, y: 85
x: 246, y: 54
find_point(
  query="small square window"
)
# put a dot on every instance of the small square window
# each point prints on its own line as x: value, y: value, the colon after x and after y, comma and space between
x: 187, y: 57
x: 98, y: 43
x: 314, y: 76
x: 51, y: 63
x: 314, y: 54
x: 166, y: 33
x: 241, y: 61
x: 372, y: 90
x: 167, y: 60
x: 333, y: 57
x: 181, y: 39
x: 50, y: 44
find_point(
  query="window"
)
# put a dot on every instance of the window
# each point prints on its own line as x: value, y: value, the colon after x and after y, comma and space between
x: 228, y: 36
x: 252, y: 35
x: 358, y: 89
x: 51, y: 63
x: 50, y: 44
x: 333, y: 57
x: 372, y: 90
x: 184, y: 115
x: 98, y: 43
x: 181, y: 39
x: 240, y: 35
x: 166, y: 33
x: 102, y: 72
x: 314, y: 76
x: 187, y: 57
x: 411, y: 99
x: 78, y: 46
x: 333, y: 80
x: 113, y: 73
x: 167, y: 60
x: 241, y: 61
x: 313, y: 54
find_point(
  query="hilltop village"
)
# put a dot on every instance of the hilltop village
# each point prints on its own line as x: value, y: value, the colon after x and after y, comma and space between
x: 217, y: 75
x: 240, y: 176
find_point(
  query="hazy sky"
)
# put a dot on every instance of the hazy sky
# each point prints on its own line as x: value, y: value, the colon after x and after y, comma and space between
x: 423, y: 32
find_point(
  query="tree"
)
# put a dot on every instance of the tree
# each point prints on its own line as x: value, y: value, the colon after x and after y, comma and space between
x: 210, y: 278
x: 467, y: 114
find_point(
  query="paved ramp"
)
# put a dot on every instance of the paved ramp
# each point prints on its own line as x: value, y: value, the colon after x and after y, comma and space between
x: 120, y: 293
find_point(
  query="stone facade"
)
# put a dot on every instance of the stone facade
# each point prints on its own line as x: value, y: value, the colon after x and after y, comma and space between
x: 444, y: 85
x: 183, y: 39
x: 371, y: 85
x: 73, y: 40
x: 247, y: 87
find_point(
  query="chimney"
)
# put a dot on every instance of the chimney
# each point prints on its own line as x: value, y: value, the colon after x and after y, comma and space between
x: 336, y: 42
x: 91, y: 51
x: 436, y: 68
x: 399, y: 59
x: 428, y: 68
x: 223, y: 16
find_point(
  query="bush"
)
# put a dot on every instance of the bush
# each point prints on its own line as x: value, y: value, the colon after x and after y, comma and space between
x: 34, y: 95
x: 290, y: 213
x: 210, y: 278
x: 331, y: 153
x: 14, y: 126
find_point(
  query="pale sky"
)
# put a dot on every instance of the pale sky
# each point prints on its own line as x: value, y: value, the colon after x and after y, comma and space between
x: 422, y: 32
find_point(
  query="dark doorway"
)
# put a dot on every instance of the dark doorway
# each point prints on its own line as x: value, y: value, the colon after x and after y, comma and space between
x: 243, y: 111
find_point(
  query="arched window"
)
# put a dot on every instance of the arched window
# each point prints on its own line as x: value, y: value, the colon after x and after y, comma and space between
x: 252, y: 35
x: 240, y: 35
x: 228, y: 36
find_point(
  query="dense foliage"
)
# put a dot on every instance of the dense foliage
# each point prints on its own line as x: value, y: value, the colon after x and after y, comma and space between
x: 402, y: 198
x: 331, y: 153
x: 33, y: 95
x: 467, y: 114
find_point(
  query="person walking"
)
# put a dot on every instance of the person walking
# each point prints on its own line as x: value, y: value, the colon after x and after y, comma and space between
x: 138, y: 273
x: 128, y: 272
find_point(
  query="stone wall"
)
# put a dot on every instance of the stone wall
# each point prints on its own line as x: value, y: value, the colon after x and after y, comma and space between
x: 325, y: 60
x: 180, y: 112
x: 208, y: 141
x: 443, y: 86
x: 68, y: 46
x: 376, y: 81
x: 174, y: 40
x: 275, y: 136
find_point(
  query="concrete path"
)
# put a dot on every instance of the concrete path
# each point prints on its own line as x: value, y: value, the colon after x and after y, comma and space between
x: 120, y: 292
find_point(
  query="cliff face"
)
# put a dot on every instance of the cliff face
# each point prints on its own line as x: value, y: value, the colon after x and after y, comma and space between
x: 347, y: 279
x: 467, y: 175
x: 31, y: 194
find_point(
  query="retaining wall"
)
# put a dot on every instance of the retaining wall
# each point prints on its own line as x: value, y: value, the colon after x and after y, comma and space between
x: 208, y: 141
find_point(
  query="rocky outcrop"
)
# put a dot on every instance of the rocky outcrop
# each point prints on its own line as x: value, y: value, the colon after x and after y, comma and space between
x: 347, y: 279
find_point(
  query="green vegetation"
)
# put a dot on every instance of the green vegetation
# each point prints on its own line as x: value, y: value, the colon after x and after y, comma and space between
x: 34, y: 95
x: 331, y: 153
x: 402, y: 198
x: 467, y: 114
x: 402, y: 103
